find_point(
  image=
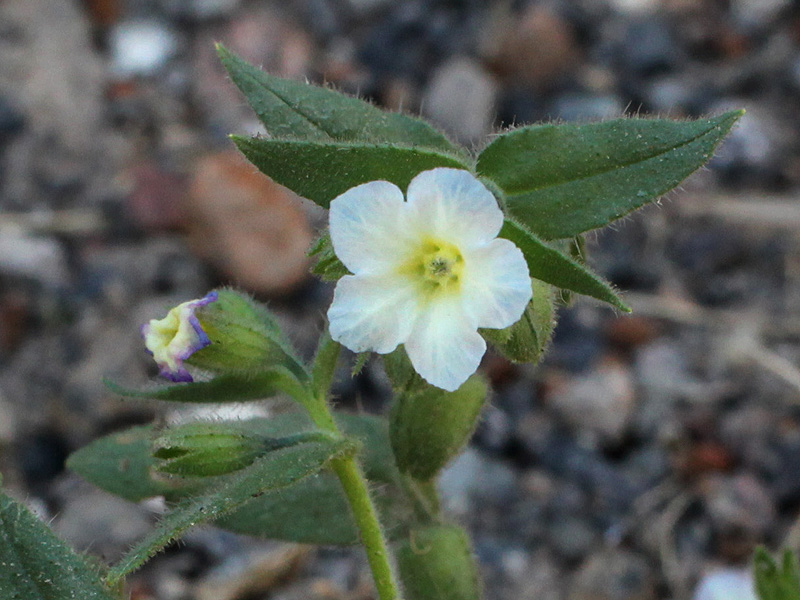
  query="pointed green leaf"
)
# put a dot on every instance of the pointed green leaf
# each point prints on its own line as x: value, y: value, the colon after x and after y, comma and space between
x: 526, y: 340
x: 36, y: 565
x: 322, y: 171
x: 437, y: 563
x: 222, y: 388
x: 561, y: 180
x: 328, y: 265
x: 550, y: 265
x: 428, y: 428
x: 776, y: 582
x: 300, y: 111
x: 275, y: 470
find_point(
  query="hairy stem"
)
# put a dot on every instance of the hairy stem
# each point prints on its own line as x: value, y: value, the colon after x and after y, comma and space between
x: 357, y: 491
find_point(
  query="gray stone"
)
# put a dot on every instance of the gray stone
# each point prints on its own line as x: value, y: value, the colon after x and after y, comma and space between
x: 461, y: 99
x: 614, y: 575
x: 473, y: 478
x: 600, y: 403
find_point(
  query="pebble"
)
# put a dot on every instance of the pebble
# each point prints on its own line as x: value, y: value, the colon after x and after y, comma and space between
x: 600, y: 403
x: 461, y: 98
x: 251, y: 229
x: 141, y: 48
x: 537, y: 48
x: 742, y: 513
x: 91, y: 519
x: 726, y: 584
x: 200, y: 10
x: 614, y: 575
x: 38, y: 258
x: 471, y: 479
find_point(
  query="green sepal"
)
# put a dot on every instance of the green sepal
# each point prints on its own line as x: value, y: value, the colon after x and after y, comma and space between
x: 526, y: 340
x: 208, y: 449
x: 245, y: 337
x: 275, y: 470
x: 437, y: 563
x: 325, y: 362
x: 37, y: 565
x: 551, y: 266
x: 429, y: 426
x: 562, y: 180
x: 296, y: 110
x: 328, y: 266
x: 321, y: 171
x: 222, y: 388
x: 774, y: 581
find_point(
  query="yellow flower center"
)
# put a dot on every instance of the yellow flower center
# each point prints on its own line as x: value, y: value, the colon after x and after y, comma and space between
x: 437, y: 267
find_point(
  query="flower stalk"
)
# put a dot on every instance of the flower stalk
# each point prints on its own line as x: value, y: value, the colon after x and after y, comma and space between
x: 358, y: 496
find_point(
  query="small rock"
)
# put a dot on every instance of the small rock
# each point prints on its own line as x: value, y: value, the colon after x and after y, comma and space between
x: 586, y: 107
x: 461, y: 99
x: 366, y: 7
x: 40, y: 259
x: 636, y: 7
x: 252, y: 575
x: 91, y: 519
x: 157, y: 201
x: 539, y: 47
x: 601, y: 402
x: 741, y: 511
x: 726, y: 584
x: 252, y: 229
x: 140, y: 48
x: 200, y: 10
x: 571, y: 536
x: 614, y: 575
x: 754, y: 15
x: 12, y: 120
x: 473, y: 478
x: 649, y: 48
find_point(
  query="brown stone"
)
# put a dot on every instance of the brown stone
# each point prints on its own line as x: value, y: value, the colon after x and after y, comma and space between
x: 252, y: 229
x: 537, y: 50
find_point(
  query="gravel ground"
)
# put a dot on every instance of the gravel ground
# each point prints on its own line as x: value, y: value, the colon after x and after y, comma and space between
x: 642, y: 460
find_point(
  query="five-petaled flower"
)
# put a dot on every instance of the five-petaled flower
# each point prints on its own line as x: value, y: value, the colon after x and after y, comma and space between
x: 427, y: 272
x: 176, y: 337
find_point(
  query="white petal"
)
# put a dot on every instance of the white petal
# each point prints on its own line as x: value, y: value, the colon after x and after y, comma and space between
x: 444, y: 346
x: 369, y: 227
x: 452, y: 204
x: 372, y: 312
x: 496, y: 285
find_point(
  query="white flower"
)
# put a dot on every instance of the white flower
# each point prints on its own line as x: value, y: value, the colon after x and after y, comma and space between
x: 427, y: 273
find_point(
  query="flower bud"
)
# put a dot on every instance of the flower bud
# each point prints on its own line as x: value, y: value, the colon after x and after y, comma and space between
x: 205, y: 450
x: 225, y: 332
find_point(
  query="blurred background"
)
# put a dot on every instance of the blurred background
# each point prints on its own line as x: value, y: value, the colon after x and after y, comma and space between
x: 647, y: 455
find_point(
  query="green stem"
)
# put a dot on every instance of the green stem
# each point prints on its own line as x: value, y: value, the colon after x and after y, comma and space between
x: 357, y: 491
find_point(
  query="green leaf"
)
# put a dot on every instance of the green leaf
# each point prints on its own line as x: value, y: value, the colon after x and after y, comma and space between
x: 300, y: 111
x: 311, y: 511
x: 526, y: 340
x: 234, y: 387
x: 550, y: 265
x: 275, y: 470
x: 561, y: 180
x: 774, y: 582
x: 429, y: 427
x: 437, y: 563
x: 328, y: 266
x: 321, y: 171
x: 36, y: 565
